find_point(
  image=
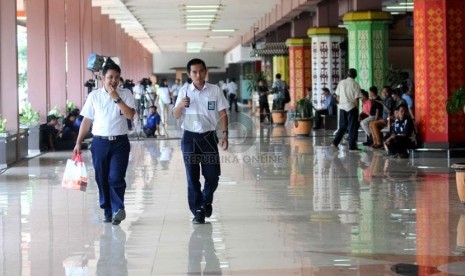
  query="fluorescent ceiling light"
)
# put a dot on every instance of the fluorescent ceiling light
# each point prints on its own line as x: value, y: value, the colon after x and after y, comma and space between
x: 200, y: 19
x: 224, y: 30
x: 203, y: 11
x: 219, y: 36
x: 399, y: 7
x: 194, y: 44
x: 202, y: 6
x: 193, y: 51
x: 200, y: 16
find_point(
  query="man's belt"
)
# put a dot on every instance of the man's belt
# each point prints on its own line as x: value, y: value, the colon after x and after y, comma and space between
x: 111, y: 138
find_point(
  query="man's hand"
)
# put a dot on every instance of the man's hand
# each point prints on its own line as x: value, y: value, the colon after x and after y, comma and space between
x: 77, y: 148
x: 224, y: 142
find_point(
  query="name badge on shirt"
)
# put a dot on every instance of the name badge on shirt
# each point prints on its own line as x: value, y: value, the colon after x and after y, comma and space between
x: 211, y: 105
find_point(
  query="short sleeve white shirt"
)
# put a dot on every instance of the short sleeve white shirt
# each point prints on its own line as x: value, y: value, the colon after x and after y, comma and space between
x: 232, y: 88
x: 107, y: 118
x: 202, y: 115
x: 348, y: 91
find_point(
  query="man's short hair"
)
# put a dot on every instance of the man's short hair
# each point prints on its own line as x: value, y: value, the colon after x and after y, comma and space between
x: 195, y: 61
x: 154, y: 107
x: 325, y: 89
x: 278, y: 76
x: 374, y: 89
x: 352, y: 73
x: 111, y: 66
x: 364, y: 93
x: 51, y: 117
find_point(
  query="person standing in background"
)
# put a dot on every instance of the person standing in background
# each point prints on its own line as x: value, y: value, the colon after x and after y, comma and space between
x: 348, y: 94
x: 232, y: 94
x: 107, y: 109
x: 175, y: 89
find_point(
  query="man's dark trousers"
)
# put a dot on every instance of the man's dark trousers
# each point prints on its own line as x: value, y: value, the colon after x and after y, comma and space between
x: 200, y: 150
x: 348, y: 120
x: 110, y: 159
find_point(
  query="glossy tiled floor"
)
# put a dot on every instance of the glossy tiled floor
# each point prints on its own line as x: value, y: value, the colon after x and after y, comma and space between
x: 285, y: 206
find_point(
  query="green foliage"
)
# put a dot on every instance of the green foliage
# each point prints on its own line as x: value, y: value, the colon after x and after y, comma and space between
x: 55, y: 111
x: 456, y: 101
x: 253, y: 79
x: 70, y: 106
x: 3, y: 125
x: 303, y: 109
x: 28, y: 116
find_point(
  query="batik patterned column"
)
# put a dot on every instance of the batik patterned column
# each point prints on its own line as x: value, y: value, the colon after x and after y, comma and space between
x: 281, y: 66
x: 439, y: 57
x: 300, y: 71
x: 368, y: 45
x: 326, y: 61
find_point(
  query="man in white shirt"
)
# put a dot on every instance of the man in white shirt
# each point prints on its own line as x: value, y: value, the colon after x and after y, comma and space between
x: 348, y: 94
x: 175, y: 89
x: 202, y: 107
x: 107, y: 109
x: 232, y: 93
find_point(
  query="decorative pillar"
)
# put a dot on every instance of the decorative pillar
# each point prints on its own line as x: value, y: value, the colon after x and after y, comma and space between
x: 74, y: 60
x: 9, y: 64
x: 57, y: 55
x: 300, y: 74
x: 327, y: 62
x: 439, y: 71
x: 281, y: 66
x: 368, y: 46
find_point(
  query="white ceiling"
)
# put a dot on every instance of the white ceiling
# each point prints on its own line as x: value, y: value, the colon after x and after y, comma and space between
x: 164, y: 21
x: 161, y: 27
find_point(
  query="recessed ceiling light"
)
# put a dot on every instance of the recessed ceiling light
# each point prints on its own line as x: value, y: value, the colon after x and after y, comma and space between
x: 203, y: 11
x: 199, y: 19
x: 200, y: 16
x: 202, y: 6
x: 219, y: 36
x: 224, y: 30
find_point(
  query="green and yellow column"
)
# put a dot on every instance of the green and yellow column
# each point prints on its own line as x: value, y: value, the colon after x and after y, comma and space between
x: 368, y: 46
x: 281, y: 66
x: 300, y: 67
x: 439, y: 70
x: 328, y: 63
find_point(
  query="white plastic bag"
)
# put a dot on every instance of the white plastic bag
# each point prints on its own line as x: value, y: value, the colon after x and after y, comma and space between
x: 75, y: 175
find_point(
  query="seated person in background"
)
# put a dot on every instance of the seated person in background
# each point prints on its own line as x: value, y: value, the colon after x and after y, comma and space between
x: 69, y: 132
x: 54, y: 141
x: 366, y: 106
x: 377, y: 125
x: 329, y: 103
x: 400, y: 136
x: 376, y: 111
x: 153, y: 122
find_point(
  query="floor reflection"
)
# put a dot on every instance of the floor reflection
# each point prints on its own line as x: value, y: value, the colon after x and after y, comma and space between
x: 112, y: 260
x: 202, y: 254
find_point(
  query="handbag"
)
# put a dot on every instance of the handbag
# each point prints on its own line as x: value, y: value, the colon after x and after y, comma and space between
x: 75, y: 175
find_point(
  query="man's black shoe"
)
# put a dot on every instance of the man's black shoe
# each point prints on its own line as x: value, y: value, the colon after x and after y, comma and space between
x: 107, y: 219
x: 118, y: 216
x: 367, y: 143
x: 208, y: 210
x: 199, y: 217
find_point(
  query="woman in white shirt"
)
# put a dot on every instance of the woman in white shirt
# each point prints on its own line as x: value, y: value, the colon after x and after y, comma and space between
x: 164, y: 100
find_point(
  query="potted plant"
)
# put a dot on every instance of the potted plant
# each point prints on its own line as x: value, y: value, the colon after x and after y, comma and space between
x: 7, y: 145
x: 456, y: 101
x: 277, y: 111
x: 29, y: 119
x: 70, y: 106
x: 302, y: 116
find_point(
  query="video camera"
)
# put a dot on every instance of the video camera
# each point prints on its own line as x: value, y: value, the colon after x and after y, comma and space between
x: 128, y: 84
x: 90, y: 84
x: 145, y: 82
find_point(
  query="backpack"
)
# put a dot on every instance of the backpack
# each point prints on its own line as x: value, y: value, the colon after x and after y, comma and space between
x: 287, y: 96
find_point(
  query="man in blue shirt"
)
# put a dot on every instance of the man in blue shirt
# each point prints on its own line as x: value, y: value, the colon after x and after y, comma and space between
x: 327, y: 110
x: 153, y: 122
